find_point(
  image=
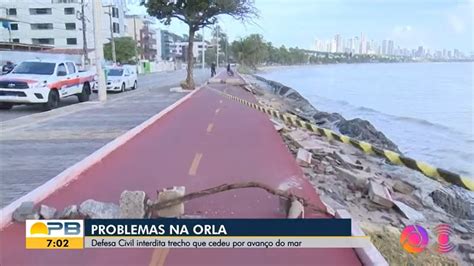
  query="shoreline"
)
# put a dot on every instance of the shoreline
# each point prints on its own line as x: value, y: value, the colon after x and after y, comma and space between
x: 334, y: 177
x: 262, y: 69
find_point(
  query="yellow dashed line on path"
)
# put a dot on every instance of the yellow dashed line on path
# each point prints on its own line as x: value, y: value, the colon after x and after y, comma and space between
x: 195, y: 164
x: 159, y: 256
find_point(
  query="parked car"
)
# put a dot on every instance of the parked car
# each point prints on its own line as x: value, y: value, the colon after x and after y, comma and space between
x: 120, y: 79
x: 44, y: 82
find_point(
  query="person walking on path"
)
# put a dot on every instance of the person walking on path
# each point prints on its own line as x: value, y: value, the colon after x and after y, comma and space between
x: 229, y: 70
x: 213, y: 69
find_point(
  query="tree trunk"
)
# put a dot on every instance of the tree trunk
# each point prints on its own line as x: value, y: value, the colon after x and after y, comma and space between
x: 190, y: 58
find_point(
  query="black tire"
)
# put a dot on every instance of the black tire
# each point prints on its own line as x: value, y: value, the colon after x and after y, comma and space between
x: 134, y: 85
x: 123, y: 88
x: 53, y: 100
x: 6, y: 106
x: 85, y: 94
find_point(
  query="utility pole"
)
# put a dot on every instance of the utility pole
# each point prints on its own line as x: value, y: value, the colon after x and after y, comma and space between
x: 112, y: 41
x: 203, y: 49
x: 135, y: 38
x: 217, y: 45
x: 84, y: 37
x: 99, y: 50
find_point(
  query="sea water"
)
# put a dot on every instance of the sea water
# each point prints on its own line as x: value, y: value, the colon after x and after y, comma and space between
x: 425, y: 108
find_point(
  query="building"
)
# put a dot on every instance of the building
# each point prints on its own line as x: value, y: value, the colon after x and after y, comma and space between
x: 384, y: 47
x: 363, y: 44
x: 144, y: 31
x: 167, y: 44
x: 390, y: 47
x: 178, y: 49
x: 338, y: 43
x: 57, y: 23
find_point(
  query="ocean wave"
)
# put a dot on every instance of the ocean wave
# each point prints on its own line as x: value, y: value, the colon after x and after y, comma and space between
x: 413, y: 120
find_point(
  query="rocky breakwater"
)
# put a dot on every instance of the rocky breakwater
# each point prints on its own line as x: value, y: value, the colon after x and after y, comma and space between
x: 383, y: 198
x: 355, y: 128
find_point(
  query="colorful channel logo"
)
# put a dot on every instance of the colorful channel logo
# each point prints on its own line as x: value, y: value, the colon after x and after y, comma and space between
x: 444, y: 231
x: 414, y: 239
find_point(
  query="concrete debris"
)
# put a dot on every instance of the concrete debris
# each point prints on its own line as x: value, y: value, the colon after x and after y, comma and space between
x: 380, y: 195
x: 99, y: 210
x: 354, y: 177
x: 346, y: 161
x: 277, y: 125
x: 402, y: 187
x: 455, y: 201
x: 26, y: 211
x: 133, y: 204
x: 47, y: 212
x: 168, y: 194
x: 70, y: 212
x: 466, y: 248
x: 303, y: 157
x: 409, y: 212
x: 296, y: 210
x: 329, y: 170
x: 460, y: 229
x: 215, y: 81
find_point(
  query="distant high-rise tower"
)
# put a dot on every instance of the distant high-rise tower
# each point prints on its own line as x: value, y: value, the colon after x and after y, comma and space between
x: 384, y: 47
x: 390, y: 47
x: 338, y: 41
x: 363, y: 44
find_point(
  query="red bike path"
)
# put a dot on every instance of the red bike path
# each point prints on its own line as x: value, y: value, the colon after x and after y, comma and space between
x: 206, y: 141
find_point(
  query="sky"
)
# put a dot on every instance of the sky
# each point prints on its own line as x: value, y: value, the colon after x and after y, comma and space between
x: 434, y: 24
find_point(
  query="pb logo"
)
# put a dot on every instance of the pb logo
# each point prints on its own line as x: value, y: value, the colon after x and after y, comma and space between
x: 54, y: 228
x: 54, y: 234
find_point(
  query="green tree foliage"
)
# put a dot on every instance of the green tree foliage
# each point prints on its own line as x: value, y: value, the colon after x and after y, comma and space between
x: 124, y: 49
x: 198, y: 14
x: 250, y: 51
x: 253, y: 51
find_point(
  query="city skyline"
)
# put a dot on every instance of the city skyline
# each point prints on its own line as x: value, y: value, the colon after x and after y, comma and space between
x: 297, y: 23
x: 362, y: 44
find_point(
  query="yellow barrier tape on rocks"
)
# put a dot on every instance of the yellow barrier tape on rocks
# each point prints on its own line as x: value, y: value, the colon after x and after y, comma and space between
x: 395, y: 158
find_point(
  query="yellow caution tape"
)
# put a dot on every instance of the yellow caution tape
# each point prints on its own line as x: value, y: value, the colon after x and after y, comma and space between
x: 395, y: 158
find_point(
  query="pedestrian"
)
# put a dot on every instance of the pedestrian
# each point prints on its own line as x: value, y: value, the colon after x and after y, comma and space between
x: 229, y: 70
x: 213, y: 69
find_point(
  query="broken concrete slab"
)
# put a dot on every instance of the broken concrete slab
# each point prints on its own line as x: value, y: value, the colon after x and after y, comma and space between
x: 402, y: 187
x: 296, y: 210
x: 169, y: 194
x: 407, y: 211
x: 357, y: 178
x: 26, y: 211
x: 47, y: 212
x: 133, y: 204
x: 278, y: 126
x: 306, y: 141
x: 99, y: 210
x: 380, y: 195
x: 303, y: 157
x: 346, y: 161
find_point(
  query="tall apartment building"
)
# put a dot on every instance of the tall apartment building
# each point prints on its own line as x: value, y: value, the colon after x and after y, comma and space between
x: 57, y: 23
x: 143, y: 30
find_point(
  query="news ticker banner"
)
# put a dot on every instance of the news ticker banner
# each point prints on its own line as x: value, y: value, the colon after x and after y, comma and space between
x: 192, y: 233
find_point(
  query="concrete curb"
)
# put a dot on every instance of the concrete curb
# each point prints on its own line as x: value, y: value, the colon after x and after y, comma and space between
x: 74, y: 171
x: 369, y: 255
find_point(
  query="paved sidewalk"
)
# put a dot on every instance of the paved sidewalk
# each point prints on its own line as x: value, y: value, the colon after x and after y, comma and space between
x: 208, y: 140
x: 36, y: 148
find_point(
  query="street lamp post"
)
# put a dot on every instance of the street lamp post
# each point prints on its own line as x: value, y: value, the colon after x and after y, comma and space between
x: 99, y: 50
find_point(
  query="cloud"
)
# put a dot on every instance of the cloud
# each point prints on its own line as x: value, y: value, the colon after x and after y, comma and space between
x: 456, y: 23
